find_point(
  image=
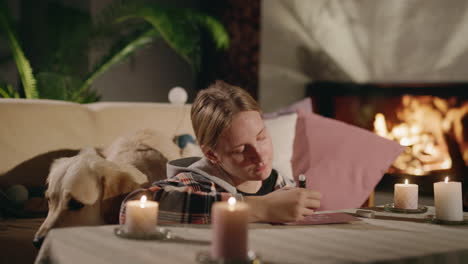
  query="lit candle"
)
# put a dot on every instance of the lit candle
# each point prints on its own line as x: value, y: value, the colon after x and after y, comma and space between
x: 230, y: 228
x: 406, y: 196
x: 141, y: 216
x: 448, y: 200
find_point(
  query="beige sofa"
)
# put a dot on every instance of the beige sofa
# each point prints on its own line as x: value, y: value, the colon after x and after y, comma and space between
x: 34, y: 132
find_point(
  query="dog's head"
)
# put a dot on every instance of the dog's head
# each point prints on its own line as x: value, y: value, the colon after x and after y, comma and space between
x: 77, y: 187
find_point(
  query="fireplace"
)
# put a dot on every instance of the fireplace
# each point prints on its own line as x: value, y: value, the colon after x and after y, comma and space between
x: 430, y: 119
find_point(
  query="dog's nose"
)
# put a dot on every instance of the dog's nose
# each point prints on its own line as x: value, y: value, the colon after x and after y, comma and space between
x: 37, y: 242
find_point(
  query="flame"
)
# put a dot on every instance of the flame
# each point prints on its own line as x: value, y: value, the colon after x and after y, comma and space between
x: 406, y: 181
x: 421, y: 127
x: 232, y: 203
x: 380, y: 125
x: 143, y: 201
x: 446, y: 179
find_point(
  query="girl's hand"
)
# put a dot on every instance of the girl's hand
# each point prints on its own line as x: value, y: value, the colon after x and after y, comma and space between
x: 284, y: 205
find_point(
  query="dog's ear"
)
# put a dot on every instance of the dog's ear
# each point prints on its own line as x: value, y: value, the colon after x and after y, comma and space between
x: 82, y: 178
x: 118, y: 180
x: 85, y: 188
x: 57, y: 170
x: 86, y: 192
x: 73, y: 175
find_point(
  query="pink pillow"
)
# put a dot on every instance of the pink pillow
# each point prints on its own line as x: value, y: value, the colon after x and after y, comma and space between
x: 342, y: 161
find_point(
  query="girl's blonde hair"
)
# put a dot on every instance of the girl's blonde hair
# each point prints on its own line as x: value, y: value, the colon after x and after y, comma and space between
x: 213, y: 110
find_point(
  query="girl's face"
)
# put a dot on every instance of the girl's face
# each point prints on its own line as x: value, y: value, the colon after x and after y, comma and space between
x: 244, y: 150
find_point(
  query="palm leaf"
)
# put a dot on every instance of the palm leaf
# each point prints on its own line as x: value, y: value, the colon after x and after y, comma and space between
x: 7, y: 91
x: 58, y: 86
x: 215, y: 28
x: 23, y: 65
x: 88, y: 97
x: 179, y: 27
x: 118, y: 53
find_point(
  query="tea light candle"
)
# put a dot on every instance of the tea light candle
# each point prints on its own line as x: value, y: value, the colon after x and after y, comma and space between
x: 448, y: 200
x: 230, y: 228
x: 406, y: 196
x: 141, y: 216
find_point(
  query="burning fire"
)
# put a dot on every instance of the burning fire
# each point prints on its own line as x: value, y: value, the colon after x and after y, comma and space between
x: 422, y: 132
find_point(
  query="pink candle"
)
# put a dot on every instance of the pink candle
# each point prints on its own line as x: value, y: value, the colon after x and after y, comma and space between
x: 230, y: 228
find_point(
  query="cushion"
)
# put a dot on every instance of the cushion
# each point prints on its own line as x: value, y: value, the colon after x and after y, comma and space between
x: 342, y: 161
x: 304, y: 105
x: 282, y: 130
x: 283, y: 138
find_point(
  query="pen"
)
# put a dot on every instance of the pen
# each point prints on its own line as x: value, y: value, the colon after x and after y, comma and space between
x: 302, y: 181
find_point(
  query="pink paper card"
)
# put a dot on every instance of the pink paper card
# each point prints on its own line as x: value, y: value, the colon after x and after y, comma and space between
x: 322, y: 219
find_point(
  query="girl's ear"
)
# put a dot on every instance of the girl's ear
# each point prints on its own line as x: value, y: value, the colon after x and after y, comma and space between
x: 210, y: 155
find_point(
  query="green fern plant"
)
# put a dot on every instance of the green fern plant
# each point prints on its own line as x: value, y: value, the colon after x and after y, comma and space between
x: 180, y: 28
x: 22, y: 64
x: 143, y: 23
x: 118, y: 53
x: 7, y: 91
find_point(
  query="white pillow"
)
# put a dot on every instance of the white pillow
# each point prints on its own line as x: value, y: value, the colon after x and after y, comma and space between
x: 282, y: 130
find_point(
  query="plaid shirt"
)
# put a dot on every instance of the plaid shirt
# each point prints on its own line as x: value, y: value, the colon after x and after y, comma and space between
x: 186, y: 198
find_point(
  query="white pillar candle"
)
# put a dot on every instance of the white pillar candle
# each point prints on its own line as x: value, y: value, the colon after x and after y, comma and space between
x: 448, y: 200
x: 141, y: 216
x: 406, y: 196
x: 230, y: 228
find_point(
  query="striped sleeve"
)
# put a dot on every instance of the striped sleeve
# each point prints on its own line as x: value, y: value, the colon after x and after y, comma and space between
x: 181, y: 199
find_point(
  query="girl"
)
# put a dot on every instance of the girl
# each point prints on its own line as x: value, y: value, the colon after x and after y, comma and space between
x: 238, y: 155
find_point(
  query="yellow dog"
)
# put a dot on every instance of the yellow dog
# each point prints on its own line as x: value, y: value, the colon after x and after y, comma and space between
x: 88, y: 189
